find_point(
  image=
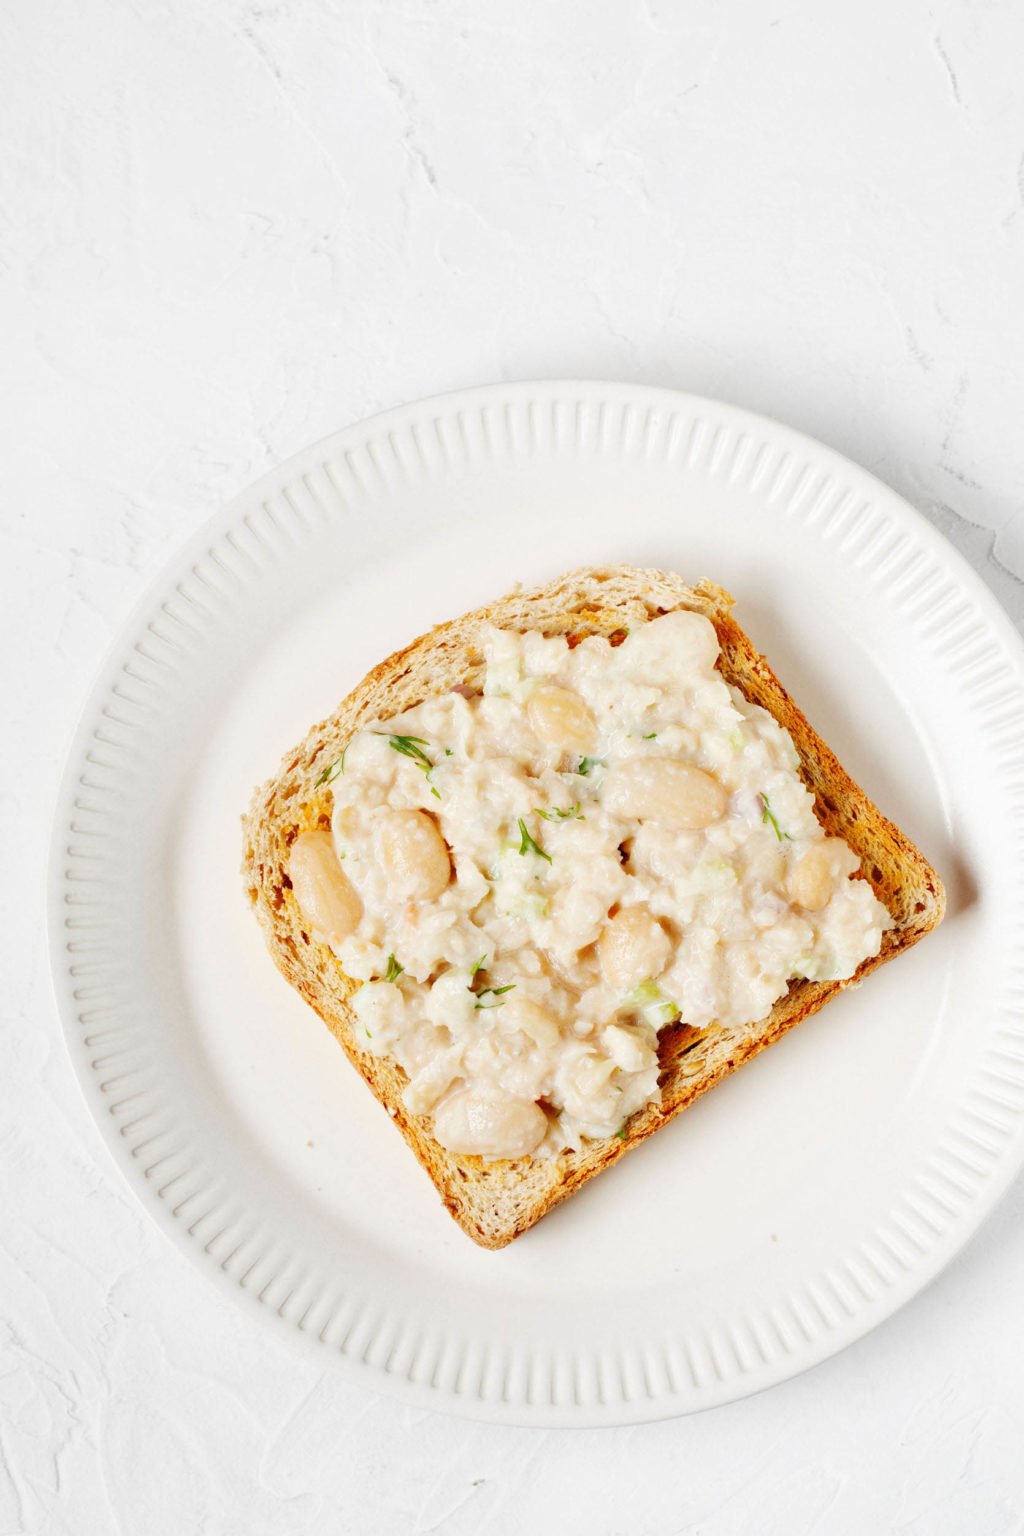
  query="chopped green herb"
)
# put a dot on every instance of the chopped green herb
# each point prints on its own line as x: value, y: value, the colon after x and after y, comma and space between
x: 368, y: 1033
x: 620, y: 1134
x: 409, y: 746
x: 412, y: 747
x: 573, y: 813
x: 651, y: 735
x: 394, y: 970
x: 586, y: 765
x: 448, y: 752
x: 332, y: 770
x: 768, y: 815
x: 528, y: 845
x: 479, y: 966
x: 495, y: 992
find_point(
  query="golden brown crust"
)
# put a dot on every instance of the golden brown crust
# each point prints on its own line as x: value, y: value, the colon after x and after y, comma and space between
x: 496, y: 1202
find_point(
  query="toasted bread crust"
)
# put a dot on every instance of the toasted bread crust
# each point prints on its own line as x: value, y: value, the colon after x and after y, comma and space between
x: 497, y: 1201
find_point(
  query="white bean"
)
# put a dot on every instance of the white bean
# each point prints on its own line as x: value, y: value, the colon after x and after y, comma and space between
x: 329, y: 901
x: 680, y: 639
x: 634, y: 947
x: 536, y: 1021
x: 665, y: 790
x: 413, y: 855
x: 484, y: 1123
x: 812, y: 879
x: 562, y: 719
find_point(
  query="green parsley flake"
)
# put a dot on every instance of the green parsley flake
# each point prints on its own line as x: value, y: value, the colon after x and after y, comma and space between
x: 528, y: 845
x: 394, y: 970
x: 572, y: 814
x: 498, y: 993
x: 332, y: 770
x: 409, y: 746
x: 412, y: 747
x: 768, y: 815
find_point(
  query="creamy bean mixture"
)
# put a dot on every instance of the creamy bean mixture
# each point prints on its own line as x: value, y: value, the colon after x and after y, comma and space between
x: 530, y: 882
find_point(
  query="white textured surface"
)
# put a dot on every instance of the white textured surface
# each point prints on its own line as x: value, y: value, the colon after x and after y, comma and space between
x: 226, y: 230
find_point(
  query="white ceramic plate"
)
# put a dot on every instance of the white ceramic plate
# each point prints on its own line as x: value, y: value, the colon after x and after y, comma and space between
x: 785, y: 1214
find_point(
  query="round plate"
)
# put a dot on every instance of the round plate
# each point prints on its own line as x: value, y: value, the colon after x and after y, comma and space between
x: 785, y: 1214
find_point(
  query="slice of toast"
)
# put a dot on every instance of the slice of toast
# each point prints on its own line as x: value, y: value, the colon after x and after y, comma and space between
x: 495, y: 1202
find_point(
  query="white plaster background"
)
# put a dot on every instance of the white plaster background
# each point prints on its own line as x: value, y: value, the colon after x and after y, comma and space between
x: 227, y: 228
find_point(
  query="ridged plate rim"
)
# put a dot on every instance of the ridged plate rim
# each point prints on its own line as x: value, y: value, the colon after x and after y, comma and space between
x: 954, y: 616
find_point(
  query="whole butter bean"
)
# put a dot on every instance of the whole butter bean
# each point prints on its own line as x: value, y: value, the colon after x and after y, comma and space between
x: 666, y: 790
x: 633, y: 947
x: 327, y: 898
x: 413, y: 855
x: 812, y: 880
x: 561, y: 719
x: 485, y: 1123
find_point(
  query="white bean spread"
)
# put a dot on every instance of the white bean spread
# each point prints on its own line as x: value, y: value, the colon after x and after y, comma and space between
x: 532, y: 881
